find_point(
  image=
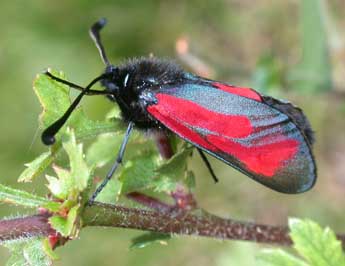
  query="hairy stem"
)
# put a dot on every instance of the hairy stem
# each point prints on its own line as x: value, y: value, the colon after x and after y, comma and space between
x: 30, y: 226
x: 181, y: 223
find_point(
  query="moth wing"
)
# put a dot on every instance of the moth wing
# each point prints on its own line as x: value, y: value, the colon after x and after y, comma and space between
x: 236, y: 126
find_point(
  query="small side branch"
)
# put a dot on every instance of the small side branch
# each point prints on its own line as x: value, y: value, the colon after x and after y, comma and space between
x: 30, y: 226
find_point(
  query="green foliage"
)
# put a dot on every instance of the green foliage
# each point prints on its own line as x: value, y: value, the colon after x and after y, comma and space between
x: 103, y: 150
x: 69, y: 184
x: 70, y: 187
x: 217, y: 32
x: 27, y: 253
x: 66, y: 226
x: 174, y: 171
x: 268, y: 74
x: 54, y: 99
x: 36, y: 167
x: 275, y: 257
x: 26, y: 199
x: 51, y: 94
x: 137, y: 173
x: 314, y: 71
x: 112, y: 191
x: 317, y: 246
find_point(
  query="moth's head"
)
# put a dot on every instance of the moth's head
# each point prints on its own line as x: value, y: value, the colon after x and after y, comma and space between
x: 112, y: 79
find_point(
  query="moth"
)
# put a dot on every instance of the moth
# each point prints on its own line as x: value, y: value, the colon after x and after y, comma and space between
x: 267, y: 139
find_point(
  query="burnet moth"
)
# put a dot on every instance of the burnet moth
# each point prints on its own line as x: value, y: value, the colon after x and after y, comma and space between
x: 267, y: 139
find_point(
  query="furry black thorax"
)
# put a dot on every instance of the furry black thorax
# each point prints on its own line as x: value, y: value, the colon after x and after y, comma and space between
x: 128, y: 82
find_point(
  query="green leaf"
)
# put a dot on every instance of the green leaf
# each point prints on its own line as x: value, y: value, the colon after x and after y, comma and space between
x: 36, y: 167
x: 138, y: 173
x: 66, y: 226
x: 80, y: 173
x: 69, y: 184
x: 139, y: 163
x: 49, y: 250
x: 114, y: 113
x: 176, y: 165
x: 55, y: 100
x: 86, y: 129
x: 278, y: 257
x: 53, y: 96
x: 28, y: 252
x: 173, y: 170
x: 60, y: 187
x: 147, y: 239
x: 175, y: 142
x: 104, y: 149
x: 23, y: 198
x: 318, y: 246
x: 111, y: 192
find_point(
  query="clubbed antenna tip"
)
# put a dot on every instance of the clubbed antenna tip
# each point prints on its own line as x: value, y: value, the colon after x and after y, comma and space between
x: 96, y: 37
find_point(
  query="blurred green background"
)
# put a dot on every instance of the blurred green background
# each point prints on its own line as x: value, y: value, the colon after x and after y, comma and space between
x: 288, y: 49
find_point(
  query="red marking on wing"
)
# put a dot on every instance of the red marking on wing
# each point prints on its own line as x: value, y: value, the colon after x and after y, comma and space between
x: 245, y: 92
x: 233, y: 126
x: 181, y: 115
x: 160, y: 113
x: 264, y: 159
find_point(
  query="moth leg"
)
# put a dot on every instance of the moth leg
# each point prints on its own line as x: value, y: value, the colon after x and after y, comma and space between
x: 208, y: 165
x: 75, y: 86
x: 118, y: 161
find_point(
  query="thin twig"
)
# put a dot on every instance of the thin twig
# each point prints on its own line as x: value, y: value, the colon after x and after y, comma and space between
x: 163, y: 145
x: 30, y: 226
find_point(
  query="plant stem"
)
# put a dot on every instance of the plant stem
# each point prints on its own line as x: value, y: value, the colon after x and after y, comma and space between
x: 30, y: 226
x: 163, y: 145
x: 181, y: 223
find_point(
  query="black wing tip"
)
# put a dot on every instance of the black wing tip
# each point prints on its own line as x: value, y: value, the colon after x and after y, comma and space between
x: 299, y: 188
x: 296, y: 114
x: 309, y: 133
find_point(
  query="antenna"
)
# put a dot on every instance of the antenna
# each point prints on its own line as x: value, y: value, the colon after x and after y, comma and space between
x: 95, y: 36
x: 48, y: 135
